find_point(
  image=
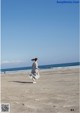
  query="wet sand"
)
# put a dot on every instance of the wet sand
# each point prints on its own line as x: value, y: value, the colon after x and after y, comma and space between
x: 57, y: 91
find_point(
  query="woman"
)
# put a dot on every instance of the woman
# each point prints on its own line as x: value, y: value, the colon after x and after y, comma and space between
x: 34, y: 73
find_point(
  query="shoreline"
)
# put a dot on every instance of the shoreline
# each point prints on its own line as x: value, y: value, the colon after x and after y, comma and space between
x: 42, y: 70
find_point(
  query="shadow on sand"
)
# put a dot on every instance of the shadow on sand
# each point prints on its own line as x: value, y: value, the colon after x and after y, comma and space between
x: 21, y: 82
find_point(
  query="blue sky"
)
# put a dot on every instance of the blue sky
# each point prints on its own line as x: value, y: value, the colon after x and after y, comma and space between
x: 39, y: 28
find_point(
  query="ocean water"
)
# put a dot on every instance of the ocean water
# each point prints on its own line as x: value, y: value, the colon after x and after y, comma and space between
x: 42, y: 66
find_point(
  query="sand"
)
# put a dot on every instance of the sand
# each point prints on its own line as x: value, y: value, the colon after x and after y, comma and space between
x: 57, y: 91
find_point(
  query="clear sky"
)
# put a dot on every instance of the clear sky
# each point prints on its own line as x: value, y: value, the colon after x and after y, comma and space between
x: 39, y: 28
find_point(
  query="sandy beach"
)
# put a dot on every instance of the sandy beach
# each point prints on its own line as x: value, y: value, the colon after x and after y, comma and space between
x: 57, y: 91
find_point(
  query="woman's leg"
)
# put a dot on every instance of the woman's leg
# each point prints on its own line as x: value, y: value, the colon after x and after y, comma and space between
x: 34, y: 80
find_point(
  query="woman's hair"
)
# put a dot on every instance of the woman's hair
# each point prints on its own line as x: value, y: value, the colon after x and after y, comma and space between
x: 34, y: 59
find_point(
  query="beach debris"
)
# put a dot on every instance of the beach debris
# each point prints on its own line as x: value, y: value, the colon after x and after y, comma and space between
x: 72, y: 109
x: 23, y: 104
x: 54, y: 106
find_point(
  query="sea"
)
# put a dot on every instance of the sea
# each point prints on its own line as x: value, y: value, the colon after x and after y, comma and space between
x: 50, y: 66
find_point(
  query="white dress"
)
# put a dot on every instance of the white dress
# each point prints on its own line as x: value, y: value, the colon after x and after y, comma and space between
x: 34, y: 72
